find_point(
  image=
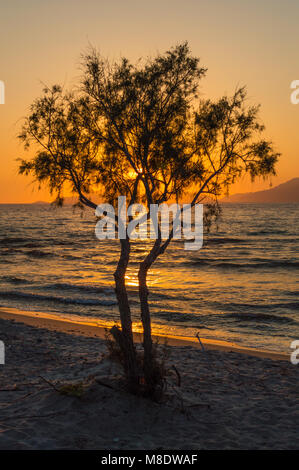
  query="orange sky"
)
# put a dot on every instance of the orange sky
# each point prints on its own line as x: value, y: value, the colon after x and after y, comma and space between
x: 249, y: 42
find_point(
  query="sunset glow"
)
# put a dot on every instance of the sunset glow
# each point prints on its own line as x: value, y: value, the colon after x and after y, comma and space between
x: 259, y: 52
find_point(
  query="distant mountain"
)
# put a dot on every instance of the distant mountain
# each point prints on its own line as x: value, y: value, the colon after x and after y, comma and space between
x: 74, y: 200
x: 286, y: 192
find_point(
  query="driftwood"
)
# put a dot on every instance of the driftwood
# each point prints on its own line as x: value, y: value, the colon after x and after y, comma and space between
x: 178, y: 375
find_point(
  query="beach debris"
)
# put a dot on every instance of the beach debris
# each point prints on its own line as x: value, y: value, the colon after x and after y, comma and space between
x: 49, y: 383
x: 178, y: 375
x: 69, y: 389
x: 197, y: 336
x: 72, y: 389
x: 104, y: 384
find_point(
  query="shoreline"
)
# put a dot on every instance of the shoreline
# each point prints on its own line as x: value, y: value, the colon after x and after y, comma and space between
x: 52, y: 322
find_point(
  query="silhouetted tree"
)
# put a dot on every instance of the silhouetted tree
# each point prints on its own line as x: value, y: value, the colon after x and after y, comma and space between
x: 141, y: 131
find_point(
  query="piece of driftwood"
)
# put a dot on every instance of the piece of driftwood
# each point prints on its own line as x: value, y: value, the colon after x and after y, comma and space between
x: 178, y: 375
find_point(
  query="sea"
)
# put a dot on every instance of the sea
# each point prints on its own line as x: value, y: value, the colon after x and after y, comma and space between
x: 242, y: 286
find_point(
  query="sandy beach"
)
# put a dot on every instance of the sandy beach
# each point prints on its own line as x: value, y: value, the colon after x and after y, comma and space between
x: 227, y: 399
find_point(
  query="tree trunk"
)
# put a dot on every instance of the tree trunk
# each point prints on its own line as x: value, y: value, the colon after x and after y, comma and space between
x: 151, y: 370
x: 124, y: 337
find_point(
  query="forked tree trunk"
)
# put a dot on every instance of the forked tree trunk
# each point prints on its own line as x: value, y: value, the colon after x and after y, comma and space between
x: 124, y: 337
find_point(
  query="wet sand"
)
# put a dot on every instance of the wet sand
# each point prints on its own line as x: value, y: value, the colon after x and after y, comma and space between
x: 54, y: 323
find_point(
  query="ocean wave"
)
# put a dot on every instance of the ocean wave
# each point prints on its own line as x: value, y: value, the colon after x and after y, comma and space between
x: 179, y: 317
x: 14, y: 295
x: 42, y: 242
x: 223, y: 240
x: 10, y: 251
x: 14, y: 280
x: 79, y: 288
x: 295, y: 293
x: 267, y: 232
x: 228, y: 264
x: 266, y: 306
x: 39, y: 254
x: 261, y: 317
x: 212, y: 314
x: 208, y: 321
x: 12, y: 240
x: 71, y: 257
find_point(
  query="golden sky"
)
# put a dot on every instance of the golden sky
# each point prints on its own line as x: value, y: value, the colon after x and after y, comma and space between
x: 252, y: 42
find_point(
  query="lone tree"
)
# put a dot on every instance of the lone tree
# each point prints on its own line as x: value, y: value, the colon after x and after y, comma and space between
x: 141, y: 131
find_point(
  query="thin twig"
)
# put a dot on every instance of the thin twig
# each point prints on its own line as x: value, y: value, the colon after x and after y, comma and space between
x: 198, y: 404
x: 178, y: 375
x: 11, y: 390
x: 197, y: 336
x: 49, y: 383
x: 106, y: 385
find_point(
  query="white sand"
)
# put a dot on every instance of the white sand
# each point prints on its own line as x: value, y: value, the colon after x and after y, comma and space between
x: 227, y: 400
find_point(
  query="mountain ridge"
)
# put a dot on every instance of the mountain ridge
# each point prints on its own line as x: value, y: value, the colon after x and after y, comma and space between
x: 287, y: 192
